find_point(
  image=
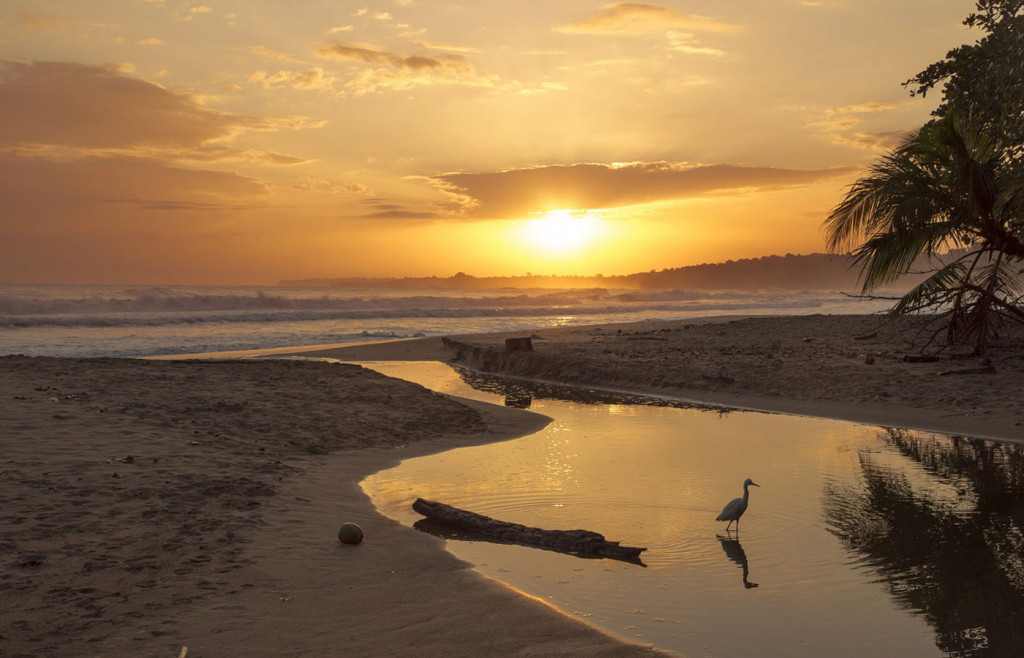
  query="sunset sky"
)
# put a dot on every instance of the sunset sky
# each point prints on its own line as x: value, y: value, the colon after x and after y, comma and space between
x: 236, y: 142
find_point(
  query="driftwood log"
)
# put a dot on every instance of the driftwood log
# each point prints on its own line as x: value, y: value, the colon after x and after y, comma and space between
x: 582, y: 543
x: 519, y: 344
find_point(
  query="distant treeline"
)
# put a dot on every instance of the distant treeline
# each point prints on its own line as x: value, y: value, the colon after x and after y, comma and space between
x: 790, y: 272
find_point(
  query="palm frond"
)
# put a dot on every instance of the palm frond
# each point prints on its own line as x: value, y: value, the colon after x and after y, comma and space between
x: 947, y: 186
x: 886, y: 257
x: 933, y: 290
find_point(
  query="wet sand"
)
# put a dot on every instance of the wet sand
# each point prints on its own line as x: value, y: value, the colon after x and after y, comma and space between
x: 148, y: 506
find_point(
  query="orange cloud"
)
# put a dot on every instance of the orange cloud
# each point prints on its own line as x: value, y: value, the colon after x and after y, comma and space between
x: 446, y: 47
x: 94, y: 192
x: 841, y: 125
x: 876, y: 141
x: 263, y: 51
x: 685, y: 43
x: 393, y: 71
x: 90, y: 107
x: 370, y: 55
x: 519, y: 192
x: 314, y: 79
x: 384, y: 209
x: 37, y: 22
x: 87, y: 149
x: 324, y: 186
x: 633, y: 18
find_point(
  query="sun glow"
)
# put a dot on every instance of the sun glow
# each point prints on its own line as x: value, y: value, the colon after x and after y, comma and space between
x: 562, y: 232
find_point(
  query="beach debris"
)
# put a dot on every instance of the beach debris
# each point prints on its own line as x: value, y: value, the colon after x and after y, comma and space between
x: 866, y: 336
x: 920, y: 358
x: 519, y: 344
x: 184, y: 652
x: 869, y: 360
x: 350, y: 533
x: 984, y: 370
x: 477, y: 527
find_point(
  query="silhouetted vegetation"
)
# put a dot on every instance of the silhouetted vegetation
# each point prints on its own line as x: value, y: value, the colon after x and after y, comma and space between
x: 789, y: 272
x: 956, y: 185
x: 947, y: 544
x: 985, y: 80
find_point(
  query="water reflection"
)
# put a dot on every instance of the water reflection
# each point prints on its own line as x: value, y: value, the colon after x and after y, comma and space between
x: 945, y: 538
x: 522, y: 392
x: 734, y: 551
x: 899, y: 507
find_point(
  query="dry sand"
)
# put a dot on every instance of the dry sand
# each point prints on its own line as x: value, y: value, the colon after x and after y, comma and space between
x: 148, y: 506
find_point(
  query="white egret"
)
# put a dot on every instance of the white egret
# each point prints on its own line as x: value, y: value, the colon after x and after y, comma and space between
x: 735, y: 509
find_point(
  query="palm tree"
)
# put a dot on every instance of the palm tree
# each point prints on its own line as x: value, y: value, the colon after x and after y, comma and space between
x: 947, y: 199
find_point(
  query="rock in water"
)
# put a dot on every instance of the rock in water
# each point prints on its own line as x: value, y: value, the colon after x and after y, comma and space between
x: 350, y: 533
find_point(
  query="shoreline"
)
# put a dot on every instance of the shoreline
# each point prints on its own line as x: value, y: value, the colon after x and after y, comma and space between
x: 989, y: 405
x: 447, y: 607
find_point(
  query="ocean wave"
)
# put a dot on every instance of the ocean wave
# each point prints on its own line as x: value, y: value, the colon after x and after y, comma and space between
x: 160, y: 300
x: 376, y: 312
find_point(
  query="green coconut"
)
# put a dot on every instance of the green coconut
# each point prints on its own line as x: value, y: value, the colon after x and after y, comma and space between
x: 350, y: 533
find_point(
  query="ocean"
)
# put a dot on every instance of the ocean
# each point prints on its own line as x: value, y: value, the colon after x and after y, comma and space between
x: 135, y: 321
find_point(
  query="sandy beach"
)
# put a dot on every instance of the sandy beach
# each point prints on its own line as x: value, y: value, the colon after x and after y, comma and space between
x: 154, y: 505
x: 150, y: 506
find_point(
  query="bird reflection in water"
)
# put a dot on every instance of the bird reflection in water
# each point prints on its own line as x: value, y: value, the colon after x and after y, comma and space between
x: 734, y: 551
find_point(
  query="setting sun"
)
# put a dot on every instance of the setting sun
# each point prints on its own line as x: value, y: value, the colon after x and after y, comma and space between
x: 242, y: 143
x: 561, y: 232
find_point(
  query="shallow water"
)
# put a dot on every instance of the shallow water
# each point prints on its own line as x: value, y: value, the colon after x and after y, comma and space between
x: 860, y: 541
